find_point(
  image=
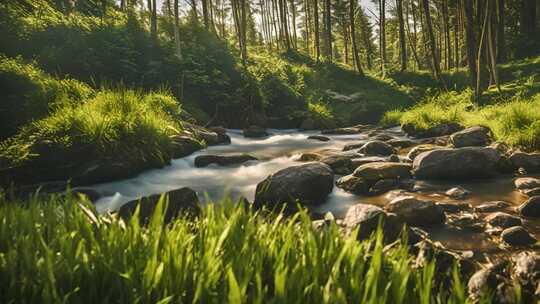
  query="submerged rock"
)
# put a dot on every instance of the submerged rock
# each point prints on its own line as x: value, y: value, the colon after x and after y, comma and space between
x: 319, y: 137
x: 503, y: 220
x: 416, y: 212
x: 530, y: 162
x: 180, y: 200
x: 307, y: 184
x: 517, y: 236
x: 222, y: 160
x: 255, y: 132
x: 531, y: 207
x: 470, y: 137
x: 462, y: 163
x: 377, y: 147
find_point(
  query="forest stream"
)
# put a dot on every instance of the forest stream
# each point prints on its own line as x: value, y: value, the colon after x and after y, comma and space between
x: 283, y: 149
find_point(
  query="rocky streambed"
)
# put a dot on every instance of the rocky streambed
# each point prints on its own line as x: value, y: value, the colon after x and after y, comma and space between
x: 461, y: 195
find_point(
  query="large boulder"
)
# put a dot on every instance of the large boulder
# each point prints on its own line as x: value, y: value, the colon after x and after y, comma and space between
x: 184, y: 145
x: 307, y: 184
x: 462, y: 163
x: 377, y: 147
x: 357, y: 162
x: 180, y: 200
x: 340, y: 164
x: 530, y: 162
x: 414, y: 152
x: 527, y: 270
x: 222, y: 160
x: 531, y: 207
x: 517, y: 236
x: 384, y: 170
x: 471, y: 137
x: 503, y: 220
x: 417, y: 212
x: 255, y: 132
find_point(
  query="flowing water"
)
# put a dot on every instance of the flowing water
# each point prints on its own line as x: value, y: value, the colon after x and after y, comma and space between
x: 281, y: 150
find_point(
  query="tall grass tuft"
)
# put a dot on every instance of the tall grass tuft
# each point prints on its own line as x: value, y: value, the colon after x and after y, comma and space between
x: 59, y: 250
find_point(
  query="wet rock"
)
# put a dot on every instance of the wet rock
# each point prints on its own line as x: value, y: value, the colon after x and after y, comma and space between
x: 180, y: 200
x: 219, y: 130
x: 416, y: 212
x: 421, y: 149
x: 383, y: 185
x: 319, y: 137
x: 222, y: 160
x: 427, y: 186
x: 376, y: 147
x: 353, y: 184
x: 354, y: 146
x: 492, y: 206
x: 305, y: 157
x: 357, y: 162
x: 341, y: 131
x: 401, y: 143
x: 470, y: 137
x: 439, y: 130
x: 525, y: 183
x: 503, y: 220
x: 454, y: 207
x: 465, y: 221
x: 488, y: 281
x: 427, y: 251
x: 184, y: 145
x: 530, y: 162
x: 458, y: 193
x: 255, y: 132
x: 308, y: 184
x: 462, y: 163
x: 531, y: 207
x: 213, y: 138
x: 386, y: 170
x: 531, y: 192
x: 340, y: 164
x: 382, y: 137
x: 517, y: 236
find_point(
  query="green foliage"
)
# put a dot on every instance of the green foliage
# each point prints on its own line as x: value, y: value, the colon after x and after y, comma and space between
x: 59, y: 250
x: 27, y: 94
x: 113, y: 126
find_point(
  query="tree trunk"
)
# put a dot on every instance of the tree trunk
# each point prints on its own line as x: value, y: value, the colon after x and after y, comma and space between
x: 528, y: 18
x: 402, y: 45
x: 328, y: 30
x: 448, y: 46
x: 501, y: 43
x: 382, y: 35
x: 206, y: 18
x: 470, y: 42
x: 177, y: 30
x: 352, y: 9
x: 431, y: 37
x: 295, y: 37
x: 317, y: 38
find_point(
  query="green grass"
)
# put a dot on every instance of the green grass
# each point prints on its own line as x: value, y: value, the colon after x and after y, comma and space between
x: 58, y: 250
x: 113, y: 126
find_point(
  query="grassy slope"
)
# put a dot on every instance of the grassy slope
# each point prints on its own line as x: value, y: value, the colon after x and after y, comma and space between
x: 57, y: 252
x: 512, y: 114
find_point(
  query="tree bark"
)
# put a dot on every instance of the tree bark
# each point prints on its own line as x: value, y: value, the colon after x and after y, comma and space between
x: 402, y: 45
x: 177, y: 30
x: 431, y: 37
x: 352, y: 9
x: 317, y: 38
x: 470, y: 42
x: 328, y: 30
x: 382, y: 35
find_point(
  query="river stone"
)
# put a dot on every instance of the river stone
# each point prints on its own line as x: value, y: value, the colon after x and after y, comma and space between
x: 517, y: 236
x: 340, y: 164
x: 530, y: 162
x: 458, y: 193
x: 377, y: 147
x: 386, y: 170
x: 416, y: 212
x: 454, y: 207
x: 439, y: 130
x: 180, y: 200
x: 414, y: 152
x: 308, y: 156
x: 223, y: 138
x: 401, y: 143
x: 319, y: 137
x: 491, y: 206
x: 381, y: 137
x: 488, y: 280
x: 353, y: 146
x: 255, y: 132
x: 353, y: 184
x: 218, y: 129
x: 357, y: 162
x: 531, y: 207
x: 222, y: 160
x: 383, y: 185
x: 503, y: 220
x: 531, y: 192
x: 184, y: 145
x: 308, y: 184
x: 525, y: 183
x: 461, y: 163
x: 470, y: 137
x: 341, y: 131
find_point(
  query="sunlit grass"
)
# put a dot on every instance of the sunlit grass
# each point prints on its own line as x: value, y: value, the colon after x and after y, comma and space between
x: 60, y: 251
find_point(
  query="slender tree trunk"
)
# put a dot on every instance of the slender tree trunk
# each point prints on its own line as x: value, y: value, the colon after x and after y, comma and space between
x: 295, y: 37
x: 317, y: 38
x: 307, y: 25
x: 206, y: 18
x: 528, y: 18
x: 501, y: 43
x: 470, y: 42
x: 382, y: 35
x: 352, y: 9
x: 431, y: 37
x: 177, y: 30
x: 328, y: 30
x: 448, y: 46
x: 402, y: 45
x: 456, y: 36
x: 412, y: 43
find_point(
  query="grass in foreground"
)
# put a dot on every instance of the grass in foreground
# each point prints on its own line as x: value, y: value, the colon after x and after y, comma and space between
x: 60, y: 251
